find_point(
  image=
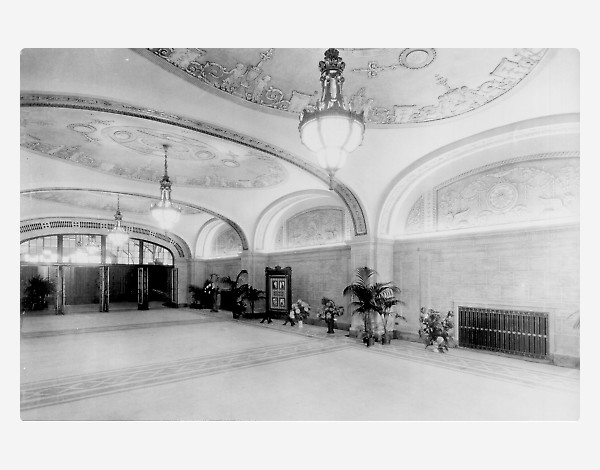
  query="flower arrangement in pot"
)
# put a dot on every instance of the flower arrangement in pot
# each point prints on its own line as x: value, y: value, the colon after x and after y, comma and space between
x: 211, y: 291
x: 328, y: 313
x: 435, y: 329
x: 298, y: 312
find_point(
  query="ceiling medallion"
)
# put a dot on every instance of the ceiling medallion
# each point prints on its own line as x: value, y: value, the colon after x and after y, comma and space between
x: 416, y: 58
x: 408, y: 58
x: 230, y: 163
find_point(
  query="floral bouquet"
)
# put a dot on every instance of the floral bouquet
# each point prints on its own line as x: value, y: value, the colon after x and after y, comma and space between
x: 300, y: 310
x: 210, y: 287
x: 435, y: 329
x: 328, y: 313
x: 329, y: 310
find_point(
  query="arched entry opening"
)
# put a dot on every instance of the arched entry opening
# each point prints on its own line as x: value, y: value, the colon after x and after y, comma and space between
x: 85, y: 272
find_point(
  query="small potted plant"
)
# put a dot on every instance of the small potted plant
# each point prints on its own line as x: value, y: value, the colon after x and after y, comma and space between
x: 435, y: 329
x: 299, y: 311
x: 37, y: 291
x: 328, y: 313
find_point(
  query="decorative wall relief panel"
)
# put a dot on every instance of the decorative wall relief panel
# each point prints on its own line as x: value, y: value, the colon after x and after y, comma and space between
x: 227, y: 243
x: 414, y: 85
x: 313, y: 227
x: 533, y: 188
x: 416, y: 218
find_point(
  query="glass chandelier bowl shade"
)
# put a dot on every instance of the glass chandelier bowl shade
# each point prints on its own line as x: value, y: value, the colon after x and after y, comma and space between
x: 332, y: 130
x: 118, y: 236
x: 164, y: 211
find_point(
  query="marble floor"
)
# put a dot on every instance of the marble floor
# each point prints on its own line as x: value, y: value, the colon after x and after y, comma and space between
x: 186, y: 364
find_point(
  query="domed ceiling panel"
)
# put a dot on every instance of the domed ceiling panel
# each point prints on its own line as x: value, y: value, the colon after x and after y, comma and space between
x: 392, y: 86
x: 133, y: 148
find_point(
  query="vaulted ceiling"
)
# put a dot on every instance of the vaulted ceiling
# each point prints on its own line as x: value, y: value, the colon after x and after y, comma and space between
x: 94, y: 121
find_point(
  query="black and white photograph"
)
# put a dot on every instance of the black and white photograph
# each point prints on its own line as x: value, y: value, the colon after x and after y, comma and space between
x: 439, y: 205
x: 424, y: 204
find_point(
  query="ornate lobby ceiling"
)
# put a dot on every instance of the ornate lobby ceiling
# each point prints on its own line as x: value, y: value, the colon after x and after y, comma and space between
x: 392, y: 86
x: 133, y: 148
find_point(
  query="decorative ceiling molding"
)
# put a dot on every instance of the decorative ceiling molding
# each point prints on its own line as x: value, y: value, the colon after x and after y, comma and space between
x: 249, y: 82
x: 114, y: 107
x: 195, y: 207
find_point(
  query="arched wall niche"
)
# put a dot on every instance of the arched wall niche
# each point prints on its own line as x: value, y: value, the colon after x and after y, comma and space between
x: 33, y: 228
x: 217, y: 239
x: 541, y: 189
x: 412, y: 205
x: 311, y: 218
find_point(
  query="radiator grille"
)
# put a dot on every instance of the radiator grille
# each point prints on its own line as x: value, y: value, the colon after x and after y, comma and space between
x: 508, y: 331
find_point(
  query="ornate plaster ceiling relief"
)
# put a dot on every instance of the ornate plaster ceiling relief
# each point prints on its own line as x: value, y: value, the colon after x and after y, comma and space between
x: 392, y: 86
x: 92, y: 140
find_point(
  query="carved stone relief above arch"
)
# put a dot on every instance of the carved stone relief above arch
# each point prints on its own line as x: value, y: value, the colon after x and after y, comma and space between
x: 532, y: 188
x: 411, y: 183
x: 305, y: 218
x: 276, y: 79
x: 227, y: 243
x: 114, y: 107
x: 313, y: 227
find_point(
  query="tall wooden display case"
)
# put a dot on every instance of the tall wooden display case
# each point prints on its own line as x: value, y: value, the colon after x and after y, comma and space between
x: 279, y: 290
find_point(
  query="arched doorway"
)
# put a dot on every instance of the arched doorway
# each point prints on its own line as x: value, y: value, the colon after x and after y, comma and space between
x: 88, y: 273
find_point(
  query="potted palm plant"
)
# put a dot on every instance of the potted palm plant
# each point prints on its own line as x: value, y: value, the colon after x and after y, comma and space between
x: 386, y: 313
x: 370, y: 297
x: 37, y: 291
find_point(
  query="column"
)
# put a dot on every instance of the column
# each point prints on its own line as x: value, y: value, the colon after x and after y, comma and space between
x: 255, y: 264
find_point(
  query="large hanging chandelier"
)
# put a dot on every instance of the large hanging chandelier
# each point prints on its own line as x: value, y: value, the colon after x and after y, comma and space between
x: 164, y: 211
x: 333, y: 130
x: 117, y: 235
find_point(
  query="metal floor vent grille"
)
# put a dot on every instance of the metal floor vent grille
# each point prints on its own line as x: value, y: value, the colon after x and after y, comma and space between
x: 508, y: 331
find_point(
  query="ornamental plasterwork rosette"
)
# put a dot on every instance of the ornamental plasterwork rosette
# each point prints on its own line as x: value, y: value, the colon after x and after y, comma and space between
x: 249, y: 81
x: 534, y: 188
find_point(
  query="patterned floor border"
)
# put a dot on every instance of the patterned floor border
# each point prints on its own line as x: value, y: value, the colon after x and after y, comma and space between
x: 111, y: 328
x: 68, y: 389
x: 452, y: 360
x: 314, y: 342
